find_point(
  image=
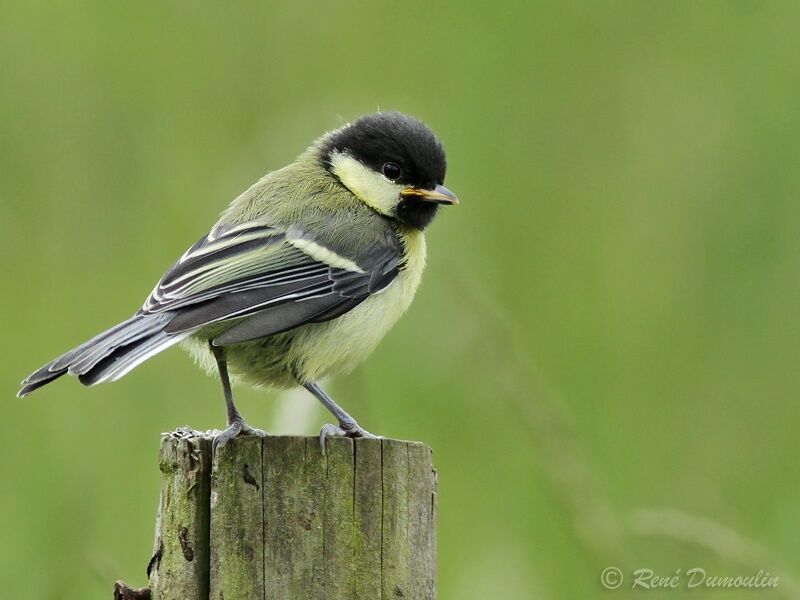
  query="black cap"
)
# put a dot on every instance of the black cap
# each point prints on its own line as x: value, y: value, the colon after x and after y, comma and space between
x: 391, y: 138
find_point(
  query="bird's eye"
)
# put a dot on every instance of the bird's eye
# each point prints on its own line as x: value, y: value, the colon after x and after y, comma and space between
x: 391, y: 170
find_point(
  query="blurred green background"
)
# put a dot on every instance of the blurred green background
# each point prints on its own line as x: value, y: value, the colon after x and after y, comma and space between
x: 603, y: 354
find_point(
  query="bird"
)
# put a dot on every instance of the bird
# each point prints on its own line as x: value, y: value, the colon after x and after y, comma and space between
x: 299, y: 279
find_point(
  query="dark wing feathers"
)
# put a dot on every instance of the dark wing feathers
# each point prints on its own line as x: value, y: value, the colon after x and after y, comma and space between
x: 237, y: 304
x: 345, y: 291
x: 257, y: 273
x: 338, y: 310
x: 237, y: 257
x: 276, y: 320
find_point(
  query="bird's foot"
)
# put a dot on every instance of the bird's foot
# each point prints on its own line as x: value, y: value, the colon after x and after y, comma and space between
x: 349, y: 429
x: 235, y: 429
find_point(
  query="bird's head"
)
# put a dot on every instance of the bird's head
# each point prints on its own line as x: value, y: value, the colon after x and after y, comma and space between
x: 391, y: 162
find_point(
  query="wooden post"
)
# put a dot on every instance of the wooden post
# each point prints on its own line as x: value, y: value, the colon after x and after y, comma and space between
x: 274, y: 518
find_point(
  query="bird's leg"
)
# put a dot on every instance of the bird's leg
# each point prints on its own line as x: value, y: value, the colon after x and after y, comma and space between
x: 347, y: 425
x: 236, y: 424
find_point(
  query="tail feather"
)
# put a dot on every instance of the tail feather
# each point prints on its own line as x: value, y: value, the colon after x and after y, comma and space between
x: 136, y: 330
x: 30, y: 385
x: 125, y: 358
x: 119, y: 331
x: 109, y: 355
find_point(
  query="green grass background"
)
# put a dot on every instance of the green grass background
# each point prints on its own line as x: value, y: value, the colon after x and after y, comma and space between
x: 604, y: 350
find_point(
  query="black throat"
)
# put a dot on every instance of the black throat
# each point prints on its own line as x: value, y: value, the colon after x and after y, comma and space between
x: 416, y: 213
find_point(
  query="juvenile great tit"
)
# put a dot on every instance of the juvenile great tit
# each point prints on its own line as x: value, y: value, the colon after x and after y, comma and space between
x: 300, y: 278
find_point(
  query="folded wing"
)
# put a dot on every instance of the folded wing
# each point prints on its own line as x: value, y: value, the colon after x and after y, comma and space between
x: 267, y: 280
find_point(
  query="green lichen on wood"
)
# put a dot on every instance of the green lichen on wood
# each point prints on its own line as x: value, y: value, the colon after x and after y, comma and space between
x: 421, y: 525
x: 396, y: 547
x: 338, y: 520
x: 367, y: 519
x: 237, y: 521
x: 180, y: 564
x: 294, y: 478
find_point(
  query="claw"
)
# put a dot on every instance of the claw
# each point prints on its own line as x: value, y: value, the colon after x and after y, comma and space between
x: 235, y: 429
x: 351, y: 430
x: 231, y: 431
x: 329, y: 430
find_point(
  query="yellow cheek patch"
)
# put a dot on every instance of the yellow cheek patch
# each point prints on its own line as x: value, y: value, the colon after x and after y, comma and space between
x: 372, y: 188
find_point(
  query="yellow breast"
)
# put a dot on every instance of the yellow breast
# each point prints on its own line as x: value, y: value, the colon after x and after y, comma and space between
x: 338, y: 346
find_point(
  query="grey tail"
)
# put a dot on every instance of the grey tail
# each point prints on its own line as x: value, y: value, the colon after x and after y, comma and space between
x: 110, y: 355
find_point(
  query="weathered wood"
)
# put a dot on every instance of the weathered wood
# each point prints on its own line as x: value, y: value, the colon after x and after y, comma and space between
x: 237, y: 525
x: 179, y: 567
x: 294, y: 475
x: 339, y: 520
x: 368, y: 519
x: 421, y: 524
x: 276, y: 519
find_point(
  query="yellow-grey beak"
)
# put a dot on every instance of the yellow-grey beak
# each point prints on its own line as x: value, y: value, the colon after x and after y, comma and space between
x: 439, y: 195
